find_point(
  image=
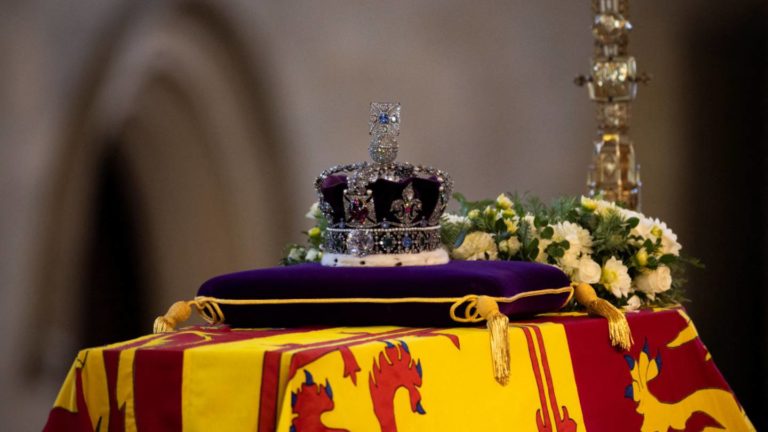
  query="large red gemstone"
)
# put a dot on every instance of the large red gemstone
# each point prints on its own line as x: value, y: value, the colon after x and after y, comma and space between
x: 358, y: 211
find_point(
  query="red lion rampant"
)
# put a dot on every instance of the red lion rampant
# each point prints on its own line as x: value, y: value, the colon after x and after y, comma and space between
x: 395, y: 369
x: 310, y: 402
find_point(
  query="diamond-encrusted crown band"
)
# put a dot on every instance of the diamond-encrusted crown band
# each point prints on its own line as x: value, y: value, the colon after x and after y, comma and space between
x: 362, y: 242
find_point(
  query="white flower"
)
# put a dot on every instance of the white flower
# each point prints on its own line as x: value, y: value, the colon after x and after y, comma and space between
x: 296, y: 254
x: 669, y: 244
x: 653, y: 282
x: 503, y: 202
x: 653, y: 229
x: 603, y: 207
x: 314, y: 212
x: 477, y: 245
x: 643, y: 229
x: 627, y: 213
x: 633, y: 304
x: 510, y: 246
x: 530, y: 218
x: 579, y: 241
x: 313, y: 254
x: 587, y: 271
x: 615, y: 277
x: 568, y: 263
x: 578, y: 238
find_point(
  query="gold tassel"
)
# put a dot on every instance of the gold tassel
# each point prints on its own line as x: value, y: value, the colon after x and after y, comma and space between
x: 618, y: 327
x: 177, y: 314
x: 498, y: 326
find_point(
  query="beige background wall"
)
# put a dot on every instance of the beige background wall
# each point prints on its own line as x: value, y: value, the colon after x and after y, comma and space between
x: 222, y: 113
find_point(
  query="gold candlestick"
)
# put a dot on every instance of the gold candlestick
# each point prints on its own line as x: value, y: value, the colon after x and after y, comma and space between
x: 612, y: 83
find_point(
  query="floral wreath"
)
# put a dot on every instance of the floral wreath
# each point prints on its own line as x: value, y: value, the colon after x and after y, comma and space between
x: 633, y: 261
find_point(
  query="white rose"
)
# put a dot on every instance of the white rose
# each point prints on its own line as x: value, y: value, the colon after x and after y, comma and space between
x: 615, y: 277
x: 476, y: 246
x: 633, y: 304
x: 588, y: 271
x: 654, y: 282
x: 569, y: 262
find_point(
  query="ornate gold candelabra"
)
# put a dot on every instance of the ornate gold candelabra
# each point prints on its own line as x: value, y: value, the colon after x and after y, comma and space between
x: 612, y: 84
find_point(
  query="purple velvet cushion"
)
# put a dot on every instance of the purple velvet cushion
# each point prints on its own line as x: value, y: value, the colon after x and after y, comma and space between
x: 455, y: 279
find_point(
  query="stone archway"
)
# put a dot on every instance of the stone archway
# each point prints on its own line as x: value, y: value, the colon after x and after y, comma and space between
x: 177, y: 96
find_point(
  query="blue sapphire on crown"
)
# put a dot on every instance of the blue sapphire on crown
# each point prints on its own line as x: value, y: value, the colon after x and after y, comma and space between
x: 384, y: 119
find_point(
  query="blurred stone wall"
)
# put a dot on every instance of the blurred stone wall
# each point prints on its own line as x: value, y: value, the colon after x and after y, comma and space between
x: 222, y: 113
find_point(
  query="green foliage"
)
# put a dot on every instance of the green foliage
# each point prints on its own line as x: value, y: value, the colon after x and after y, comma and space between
x: 466, y: 205
x: 609, y: 236
x: 452, y: 234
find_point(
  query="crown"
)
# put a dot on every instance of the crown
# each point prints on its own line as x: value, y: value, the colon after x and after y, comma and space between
x: 385, y: 211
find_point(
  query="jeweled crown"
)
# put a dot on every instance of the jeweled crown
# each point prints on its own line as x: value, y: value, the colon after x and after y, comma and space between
x: 382, y: 207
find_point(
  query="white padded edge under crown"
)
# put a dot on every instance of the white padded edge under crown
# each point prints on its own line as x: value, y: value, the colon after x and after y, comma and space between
x: 434, y: 257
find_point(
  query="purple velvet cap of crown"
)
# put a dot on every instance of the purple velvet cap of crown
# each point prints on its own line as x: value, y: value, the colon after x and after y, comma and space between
x: 455, y: 279
x: 385, y: 192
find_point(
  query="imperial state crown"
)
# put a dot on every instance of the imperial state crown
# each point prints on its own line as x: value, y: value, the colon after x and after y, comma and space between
x: 383, y: 213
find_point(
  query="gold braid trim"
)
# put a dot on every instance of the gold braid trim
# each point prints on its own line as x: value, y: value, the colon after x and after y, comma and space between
x: 476, y: 308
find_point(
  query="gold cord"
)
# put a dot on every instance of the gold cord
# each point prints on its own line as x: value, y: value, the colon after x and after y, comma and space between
x: 476, y: 308
x: 210, y: 310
